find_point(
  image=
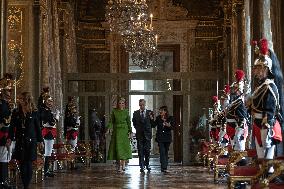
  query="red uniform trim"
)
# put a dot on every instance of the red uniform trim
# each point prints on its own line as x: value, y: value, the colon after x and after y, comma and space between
x: 230, y: 131
x: 46, y: 131
x: 256, y: 133
x: 215, y: 133
x: 72, y: 135
x: 3, y: 134
x: 276, y: 130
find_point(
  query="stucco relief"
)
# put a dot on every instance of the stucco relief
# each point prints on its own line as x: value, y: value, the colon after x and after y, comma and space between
x: 178, y: 32
x: 164, y: 9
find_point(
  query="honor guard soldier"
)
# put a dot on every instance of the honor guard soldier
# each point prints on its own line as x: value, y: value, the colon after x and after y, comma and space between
x: 5, y: 130
x: 266, y: 102
x: 71, y: 125
x: 237, y: 114
x: 225, y: 100
x: 214, y: 125
x: 43, y: 94
x: 48, y: 123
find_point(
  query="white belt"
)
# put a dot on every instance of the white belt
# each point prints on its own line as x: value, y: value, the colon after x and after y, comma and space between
x: 72, y: 128
x: 257, y: 115
x: 47, y: 125
x: 3, y: 125
x: 231, y: 120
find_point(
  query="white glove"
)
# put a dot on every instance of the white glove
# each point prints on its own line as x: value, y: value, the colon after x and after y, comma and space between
x: 78, y: 120
x: 57, y: 115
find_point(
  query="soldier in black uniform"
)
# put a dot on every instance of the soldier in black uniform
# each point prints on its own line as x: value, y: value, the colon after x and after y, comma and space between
x: 28, y: 135
x: 266, y: 103
x: 71, y: 125
x: 237, y: 114
x: 213, y: 122
x: 225, y: 101
x: 43, y: 94
x: 5, y: 130
x: 48, y: 124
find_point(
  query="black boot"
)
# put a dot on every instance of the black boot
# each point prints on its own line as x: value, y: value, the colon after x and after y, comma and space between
x: 4, y: 176
x: 46, y: 167
x: 46, y: 164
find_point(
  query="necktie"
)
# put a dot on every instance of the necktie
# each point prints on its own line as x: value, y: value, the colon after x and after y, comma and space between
x: 142, y: 114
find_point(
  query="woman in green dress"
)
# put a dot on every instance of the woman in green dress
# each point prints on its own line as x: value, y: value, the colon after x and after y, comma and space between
x: 119, y: 124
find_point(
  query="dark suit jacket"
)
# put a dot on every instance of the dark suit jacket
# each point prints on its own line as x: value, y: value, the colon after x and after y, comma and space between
x: 164, y: 134
x: 143, y: 127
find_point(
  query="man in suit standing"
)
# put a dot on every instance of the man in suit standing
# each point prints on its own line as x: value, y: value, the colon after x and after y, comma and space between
x: 141, y: 122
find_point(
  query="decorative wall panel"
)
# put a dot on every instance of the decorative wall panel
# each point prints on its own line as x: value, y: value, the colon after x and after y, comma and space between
x: 16, y: 43
x: 19, y: 44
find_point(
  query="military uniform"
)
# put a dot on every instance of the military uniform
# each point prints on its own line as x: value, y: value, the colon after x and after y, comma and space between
x: 215, y: 122
x: 5, y: 135
x: 236, y: 124
x: 264, y: 102
x: 49, y: 133
x: 71, y: 125
x: 223, y: 138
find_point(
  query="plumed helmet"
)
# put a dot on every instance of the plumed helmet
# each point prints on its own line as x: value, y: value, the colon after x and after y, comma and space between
x: 264, y: 61
x: 239, y: 75
x: 227, y: 89
x: 239, y: 84
x: 263, y: 54
x: 215, y: 99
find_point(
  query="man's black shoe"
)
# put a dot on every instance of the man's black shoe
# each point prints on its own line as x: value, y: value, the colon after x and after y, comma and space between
x: 164, y: 170
x: 141, y: 170
x: 148, y: 168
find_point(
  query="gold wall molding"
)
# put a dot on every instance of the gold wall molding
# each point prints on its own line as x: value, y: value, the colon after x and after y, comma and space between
x: 20, y: 43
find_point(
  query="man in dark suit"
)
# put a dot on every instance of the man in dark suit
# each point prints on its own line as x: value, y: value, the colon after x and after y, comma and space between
x: 141, y: 122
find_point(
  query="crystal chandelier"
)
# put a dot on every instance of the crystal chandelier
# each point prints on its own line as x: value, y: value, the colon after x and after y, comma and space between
x: 125, y: 16
x: 129, y: 18
x: 143, y: 48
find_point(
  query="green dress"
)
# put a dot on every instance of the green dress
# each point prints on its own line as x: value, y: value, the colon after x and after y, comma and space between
x: 119, y: 148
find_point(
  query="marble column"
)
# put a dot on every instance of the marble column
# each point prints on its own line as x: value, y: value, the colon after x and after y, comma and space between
x: 69, y: 38
x: 68, y: 46
x: 3, y: 36
x: 44, y: 17
x: 265, y: 10
x: 51, y: 66
x: 247, y: 40
x: 277, y: 22
x: 237, y: 32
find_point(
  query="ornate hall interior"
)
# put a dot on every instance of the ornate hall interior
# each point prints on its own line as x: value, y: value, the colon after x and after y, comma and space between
x: 174, y: 53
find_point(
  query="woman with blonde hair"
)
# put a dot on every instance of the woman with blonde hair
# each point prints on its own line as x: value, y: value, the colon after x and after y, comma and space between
x: 119, y: 124
x: 28, y: 135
